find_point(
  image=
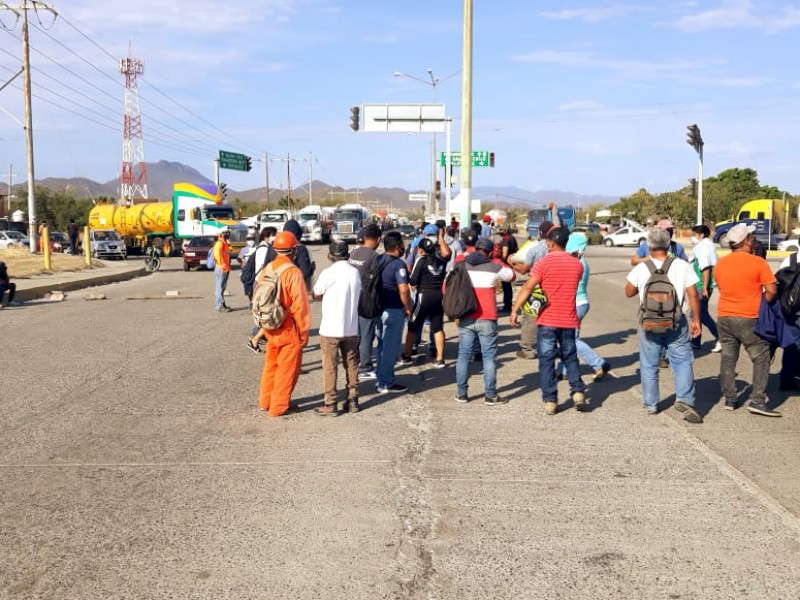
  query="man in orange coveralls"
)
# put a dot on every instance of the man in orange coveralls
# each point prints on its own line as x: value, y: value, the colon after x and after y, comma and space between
x: 285, y: 344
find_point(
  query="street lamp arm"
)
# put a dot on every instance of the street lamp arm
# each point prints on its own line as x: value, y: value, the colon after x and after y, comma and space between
x: 414, y: 77
x: 440, y: 80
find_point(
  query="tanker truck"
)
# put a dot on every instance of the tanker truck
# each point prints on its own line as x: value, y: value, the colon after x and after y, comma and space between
x: 195, y: 209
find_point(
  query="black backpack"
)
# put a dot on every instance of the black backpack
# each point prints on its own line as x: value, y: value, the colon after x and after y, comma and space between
x: 249, y: 272
x: 660, y: 311
x: 459, y: 294
x: 370, y: 303
x: 789, y: 289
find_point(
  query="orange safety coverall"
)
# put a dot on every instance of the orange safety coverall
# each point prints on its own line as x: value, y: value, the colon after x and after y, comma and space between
x: 285, y: 344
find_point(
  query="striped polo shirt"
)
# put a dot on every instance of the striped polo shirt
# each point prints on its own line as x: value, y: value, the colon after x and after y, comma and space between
x: 559, y: 274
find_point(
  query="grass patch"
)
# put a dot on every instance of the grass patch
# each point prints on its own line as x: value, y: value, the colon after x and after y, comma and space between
x: 24, y: 265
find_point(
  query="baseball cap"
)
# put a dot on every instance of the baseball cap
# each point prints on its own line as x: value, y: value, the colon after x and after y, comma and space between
x: 339, y: 250
x: 431, y: 229
x: 559, y: 236
x: 427, y: 245
x: 485, y: 244
x: 468, y: 236
x: 224, y: 230
x: 361, y: 236
x: 738, y: 233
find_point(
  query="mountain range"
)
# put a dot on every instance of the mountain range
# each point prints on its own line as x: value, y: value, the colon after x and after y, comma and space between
x: 163, y: 174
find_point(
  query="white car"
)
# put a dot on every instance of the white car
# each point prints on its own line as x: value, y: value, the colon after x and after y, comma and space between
x: 630, y: 235
x: 790, y: 245
x: 13, y: 238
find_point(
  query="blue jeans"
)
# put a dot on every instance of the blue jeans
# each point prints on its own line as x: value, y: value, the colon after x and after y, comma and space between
x: 585, y: 352
x: 707, y: 320
x: 366, y: 335
x: 552, y: 342
x: 390, y: 338
x: 220, y: 283
x: 483, y: 333
x: 679, y: 351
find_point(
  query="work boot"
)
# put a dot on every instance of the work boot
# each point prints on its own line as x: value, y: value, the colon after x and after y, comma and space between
x: 352, y: 405
x: 550, y: 408
x: 328, y: 410
x: 579, y: 400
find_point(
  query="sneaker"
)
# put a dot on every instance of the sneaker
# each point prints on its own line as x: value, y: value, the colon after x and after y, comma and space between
x: 579, y: 400
x: 395, y: 388
x: 663, y: 363
x: 731, y: 405
x: 367, y: 375
x: 494, y: 400
x: 404, y: 360
x: 550, y: 408
x: 761, y: 409
x: 461, y: 398
x: 224, y: 309
x: 689, y: 413
x: 601, y: 372
x: 651, y: 410
x: 254, y: 347
x: 439, y: 364
x: 329, y: 410
x: 717, y: 347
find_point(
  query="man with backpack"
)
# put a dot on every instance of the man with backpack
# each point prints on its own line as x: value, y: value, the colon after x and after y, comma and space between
x: 366, y: 259
x: 283, y: 283
x: 666, y: 285
x: 743, y: 278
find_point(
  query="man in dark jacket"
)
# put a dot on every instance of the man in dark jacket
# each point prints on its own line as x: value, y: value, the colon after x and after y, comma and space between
x: 301, y: 258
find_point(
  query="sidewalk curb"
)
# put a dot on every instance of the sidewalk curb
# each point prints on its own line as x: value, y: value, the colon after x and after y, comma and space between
x: 39, y: 291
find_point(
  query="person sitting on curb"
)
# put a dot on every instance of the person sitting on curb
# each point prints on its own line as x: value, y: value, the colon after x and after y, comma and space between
x: 6, y: 285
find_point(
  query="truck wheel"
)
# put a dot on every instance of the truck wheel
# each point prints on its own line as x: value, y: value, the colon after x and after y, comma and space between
x: 723, y: 240
x: 186, y: 266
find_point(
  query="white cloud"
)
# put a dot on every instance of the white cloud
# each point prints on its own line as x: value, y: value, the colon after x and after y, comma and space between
x: 580, y: 105
x: 592, y: 15
x: 739, y: 14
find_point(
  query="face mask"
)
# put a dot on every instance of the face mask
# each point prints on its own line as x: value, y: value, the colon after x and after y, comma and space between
x: 272, y: 239
x: 695, y: 240
x: 251, y: 243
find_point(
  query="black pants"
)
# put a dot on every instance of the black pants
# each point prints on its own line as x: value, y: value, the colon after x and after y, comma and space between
x: 12, y: 289
x: 508, y: 296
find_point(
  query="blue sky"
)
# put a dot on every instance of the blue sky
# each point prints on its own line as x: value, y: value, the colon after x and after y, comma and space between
x: 589, y: 97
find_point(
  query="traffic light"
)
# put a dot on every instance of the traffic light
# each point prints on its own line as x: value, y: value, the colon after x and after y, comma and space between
x: 491, y: 159
x: 249, y: 162
x: 354, y: 117
x: 438, y: 190
x: 223, y: 190
x: 693, y: 138
x: 693, y: 184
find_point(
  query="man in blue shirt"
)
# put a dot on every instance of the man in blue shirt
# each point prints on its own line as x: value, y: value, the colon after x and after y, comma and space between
x: 675, y: 249
x: 396, y: 298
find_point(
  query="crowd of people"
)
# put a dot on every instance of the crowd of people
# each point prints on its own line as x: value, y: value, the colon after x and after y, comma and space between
x: 370, y: 298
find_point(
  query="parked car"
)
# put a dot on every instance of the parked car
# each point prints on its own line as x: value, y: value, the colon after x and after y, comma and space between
x: 196, y: 251
x: 408, y: 232
x: 630, y: 235
x: 591, y: 231
x: 790, y: 245
x: 59, y: 241
x: 106, y: 244
x: 13, y: 239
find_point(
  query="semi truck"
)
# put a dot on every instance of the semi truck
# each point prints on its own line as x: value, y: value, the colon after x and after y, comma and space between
x: 770, y: 218
x: 537, y: 215
x: 348, y: 219
x: 195, y: 209
x: 317, y: 223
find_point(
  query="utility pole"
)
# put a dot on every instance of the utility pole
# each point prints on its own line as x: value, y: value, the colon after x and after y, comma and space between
x: 695, y: 140
x: 8, y: 197
x: 466, y: 118
x: 21, y: 11
x: 266, y: 178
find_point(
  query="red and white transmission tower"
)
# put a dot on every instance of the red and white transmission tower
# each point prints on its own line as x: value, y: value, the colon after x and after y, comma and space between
x: 134, y: 173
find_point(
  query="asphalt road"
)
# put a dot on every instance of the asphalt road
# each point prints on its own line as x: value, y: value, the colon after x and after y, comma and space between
x: 135, y: 464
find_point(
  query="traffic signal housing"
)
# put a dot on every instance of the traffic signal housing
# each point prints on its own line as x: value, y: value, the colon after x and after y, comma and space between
x: 438, y: 190
x: 249, y: 163
x: 693, y: 138
x: 223, y: 190
x: 491, y: 159
x: 354, y: 117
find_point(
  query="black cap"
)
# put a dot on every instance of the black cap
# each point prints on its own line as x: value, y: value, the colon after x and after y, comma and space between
x: 559, y: 236
x: 427, y: 245
x: 485, y: 244
x: 469, y: 237
x: 361, y: 236
x: 339, y: 250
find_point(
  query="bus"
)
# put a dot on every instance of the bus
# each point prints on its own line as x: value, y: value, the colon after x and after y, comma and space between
x: 536, y: 216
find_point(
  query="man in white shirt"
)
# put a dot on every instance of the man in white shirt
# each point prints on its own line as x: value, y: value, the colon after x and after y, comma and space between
x: 704, y: 259
x: 676, y: 341
x: 339, y: 287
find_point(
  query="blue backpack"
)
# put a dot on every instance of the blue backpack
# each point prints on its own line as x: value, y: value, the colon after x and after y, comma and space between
x: 210, y: 262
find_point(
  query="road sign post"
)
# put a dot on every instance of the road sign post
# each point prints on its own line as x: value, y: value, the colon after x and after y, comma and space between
x: 234, y: 161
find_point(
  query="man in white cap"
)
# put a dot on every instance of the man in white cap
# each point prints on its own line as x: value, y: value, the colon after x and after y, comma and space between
x: 743, y: 278
x: 222, y: 268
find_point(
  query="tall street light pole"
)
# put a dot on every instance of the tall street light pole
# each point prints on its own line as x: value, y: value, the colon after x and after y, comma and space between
x: 433, y: 82
x: 466, y: 118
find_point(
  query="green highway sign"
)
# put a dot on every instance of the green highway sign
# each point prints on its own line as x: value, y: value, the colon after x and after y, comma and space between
x: 480, y: 158
x: 234, y: 161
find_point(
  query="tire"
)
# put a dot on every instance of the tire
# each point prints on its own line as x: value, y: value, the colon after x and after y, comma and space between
x: 608, y: 243
x: 186, y: 266
x: 723, y: 240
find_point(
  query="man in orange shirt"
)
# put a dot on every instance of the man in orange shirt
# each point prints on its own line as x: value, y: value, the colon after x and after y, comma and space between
x: 743, y: 278
x: 285, y: 344
x: 222, y: 268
